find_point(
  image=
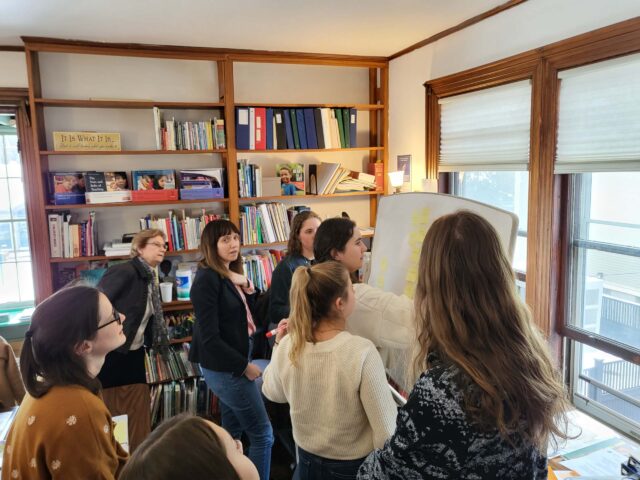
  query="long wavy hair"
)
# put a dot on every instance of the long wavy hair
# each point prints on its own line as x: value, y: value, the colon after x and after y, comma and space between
x: 314, y: 291
x: 468, y: 312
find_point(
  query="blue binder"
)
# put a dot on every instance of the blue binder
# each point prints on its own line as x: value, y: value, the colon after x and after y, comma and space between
x: 287, y: 126
x: 242, y: 128
x: 269, y: 129
x: 310, y: 126
x: 353, y: 127
x: 302, y: 132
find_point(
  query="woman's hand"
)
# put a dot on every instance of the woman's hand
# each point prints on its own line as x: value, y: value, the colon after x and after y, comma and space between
x: 238, y: 279
x: 252, y: 372
x: 282, y: 329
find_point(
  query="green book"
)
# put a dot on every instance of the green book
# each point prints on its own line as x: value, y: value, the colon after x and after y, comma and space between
x: 345, y: 125
x: 294, y: 127
x: 338, y: 113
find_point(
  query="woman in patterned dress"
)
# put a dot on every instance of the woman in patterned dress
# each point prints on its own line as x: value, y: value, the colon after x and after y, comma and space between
x: 63, y: 428
x: 489, y: 397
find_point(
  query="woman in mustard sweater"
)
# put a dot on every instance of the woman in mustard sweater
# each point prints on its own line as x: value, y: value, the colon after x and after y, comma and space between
x: 62, y: 428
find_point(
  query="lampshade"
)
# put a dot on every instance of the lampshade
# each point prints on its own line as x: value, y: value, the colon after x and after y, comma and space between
x: 396, y: 178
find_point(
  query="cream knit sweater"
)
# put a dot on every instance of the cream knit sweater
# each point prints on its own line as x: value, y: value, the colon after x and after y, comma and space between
x: 341, y: 406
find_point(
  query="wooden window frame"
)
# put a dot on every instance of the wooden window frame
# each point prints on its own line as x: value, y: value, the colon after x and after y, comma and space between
x: 548, y: 242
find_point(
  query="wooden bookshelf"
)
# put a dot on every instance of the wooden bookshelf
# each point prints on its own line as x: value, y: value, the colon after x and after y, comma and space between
x: 133, y: 152
x: 372, y: 101
x: 177, y: 305
x: 126, y: 104
x: 134, y: 204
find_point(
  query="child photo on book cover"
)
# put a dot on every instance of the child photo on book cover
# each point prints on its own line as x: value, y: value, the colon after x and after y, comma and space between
x: 68, y: 182
x: 154, y: 179
x: 116, y: 181
x: 291, y: 178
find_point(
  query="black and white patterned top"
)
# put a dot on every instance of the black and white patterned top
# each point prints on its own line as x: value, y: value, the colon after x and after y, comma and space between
x: 434, y: 439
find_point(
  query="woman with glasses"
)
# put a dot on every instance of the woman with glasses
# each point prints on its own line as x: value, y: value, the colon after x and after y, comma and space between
x: 62, y: 428
x: 133, y: 289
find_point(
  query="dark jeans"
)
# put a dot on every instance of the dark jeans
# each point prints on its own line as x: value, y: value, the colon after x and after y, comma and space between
x: 313, y: 467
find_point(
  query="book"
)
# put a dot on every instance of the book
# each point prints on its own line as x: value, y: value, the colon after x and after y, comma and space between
x: 326, y: 171
x: 288, y: 129
x: 269, y: 128
x: 153, y: 179
x: 242, y: 128
x: 294, y: 128
x: 310, y: 128
x: 302, y: 132
x: 95, y: 182
x: 252, y: 128
x: 261, y: 128
x: 317, y: 117
x: 280, y: 130
x: 377, y: 170
x: 291, y: 178
x: 347, y: 127
x: 116, y: 181
x: 66, y: 188
x: 220, y: 140
x: 338, y: 115
x: 353, y: 127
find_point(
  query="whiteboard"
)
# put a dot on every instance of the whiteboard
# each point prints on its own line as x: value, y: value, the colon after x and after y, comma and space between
x: 402, y: 222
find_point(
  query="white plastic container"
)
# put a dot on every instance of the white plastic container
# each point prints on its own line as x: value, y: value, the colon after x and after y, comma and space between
x: 183, y: 283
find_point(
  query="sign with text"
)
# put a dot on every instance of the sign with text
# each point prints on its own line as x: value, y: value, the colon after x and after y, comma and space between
x: 86, y: 141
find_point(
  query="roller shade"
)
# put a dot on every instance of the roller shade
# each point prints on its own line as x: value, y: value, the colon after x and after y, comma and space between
x: 599, y: 117
x: 486, y: 130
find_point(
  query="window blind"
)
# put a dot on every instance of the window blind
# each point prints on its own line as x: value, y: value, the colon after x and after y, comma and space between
x: 599, y: 117
x: 486, y: 130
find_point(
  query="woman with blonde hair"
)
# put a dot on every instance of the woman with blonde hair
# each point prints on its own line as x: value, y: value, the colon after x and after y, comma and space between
x: 334, y: 382
x: 223, y: 301
x: 489, y: 396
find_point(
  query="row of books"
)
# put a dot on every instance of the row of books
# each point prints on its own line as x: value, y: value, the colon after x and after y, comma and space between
x: 192, y: 396
x: 284, y: 179
x: 267, y: 128
x: 264, y: 223
x: 169, y: 363
x: 178, y: 135
x: 182, y: 233
x: 68, y: 240
x: 67, y: 188
x: 180, y: 324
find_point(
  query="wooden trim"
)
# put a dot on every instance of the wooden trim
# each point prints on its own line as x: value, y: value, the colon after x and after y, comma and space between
x: 432, y: 135
x: 457, y: 28
x: 11, y: 48
x: 510, y: 69
x: 46, y: 44
x: 559, y: 265
x: 13, y: 96
x: 225, y: 71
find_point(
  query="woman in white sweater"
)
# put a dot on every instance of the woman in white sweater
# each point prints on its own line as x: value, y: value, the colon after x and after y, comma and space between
x: 341, y: 407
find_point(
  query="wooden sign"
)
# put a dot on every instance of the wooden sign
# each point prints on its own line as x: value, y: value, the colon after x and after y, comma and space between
x: 86, y: 141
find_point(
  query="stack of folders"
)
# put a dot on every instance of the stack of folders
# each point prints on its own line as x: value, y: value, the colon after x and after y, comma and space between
x: 271, y: 128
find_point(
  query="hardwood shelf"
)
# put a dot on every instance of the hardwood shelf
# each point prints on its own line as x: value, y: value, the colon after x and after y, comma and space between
x: 177, y: 305
x: 173, y: 253
x: 134, y: 204
x: 357, y: 106
x: 129, y: 104
x: 308, y: 196
x: 134, y: 152
x: 264, y: 245
x: 298, y: 150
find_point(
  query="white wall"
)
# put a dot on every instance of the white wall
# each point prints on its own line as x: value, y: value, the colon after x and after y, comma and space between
x: 13, y: 70
x: 529, y: 25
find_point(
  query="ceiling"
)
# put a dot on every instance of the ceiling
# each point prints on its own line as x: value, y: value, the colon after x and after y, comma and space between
x: 357, y: 27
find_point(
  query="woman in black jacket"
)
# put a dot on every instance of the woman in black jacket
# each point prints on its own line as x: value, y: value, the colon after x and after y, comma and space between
x: 222, y: 299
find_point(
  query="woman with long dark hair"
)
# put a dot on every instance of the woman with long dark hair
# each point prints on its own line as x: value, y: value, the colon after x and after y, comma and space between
x: 299, y: 253
x: 489, y: 398
x: 62, y: 428
x: 223, y: 299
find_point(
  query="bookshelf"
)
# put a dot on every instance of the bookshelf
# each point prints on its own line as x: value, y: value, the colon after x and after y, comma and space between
x: 78, y: 85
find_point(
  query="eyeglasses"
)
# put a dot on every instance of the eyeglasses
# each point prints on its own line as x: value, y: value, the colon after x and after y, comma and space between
x: 159, y: 245
x: 116, y: 318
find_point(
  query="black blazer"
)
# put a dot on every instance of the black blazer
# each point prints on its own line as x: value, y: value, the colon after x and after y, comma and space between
x: 127, y: 286
x: 220, y: 336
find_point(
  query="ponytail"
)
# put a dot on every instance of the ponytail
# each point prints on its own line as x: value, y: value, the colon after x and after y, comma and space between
x: 312, y: 296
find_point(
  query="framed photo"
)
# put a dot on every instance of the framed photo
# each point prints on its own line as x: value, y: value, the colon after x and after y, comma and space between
x: 404, y: 164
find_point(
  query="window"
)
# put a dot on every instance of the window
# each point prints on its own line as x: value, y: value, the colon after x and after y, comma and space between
x: 506, y: 190
x: 485, y: 138
x: 598, y: 124
x: 16, y: 281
